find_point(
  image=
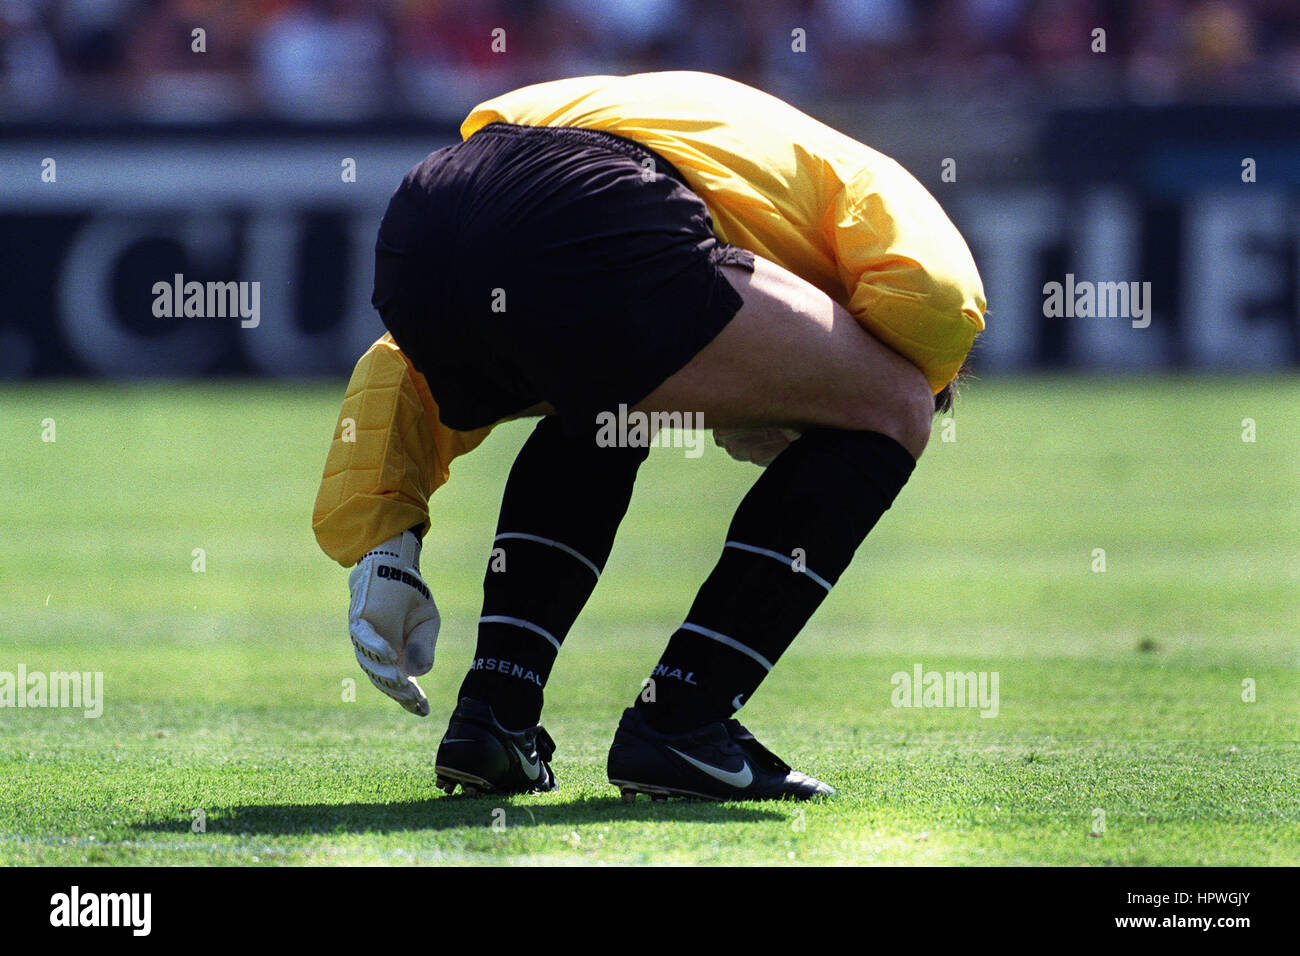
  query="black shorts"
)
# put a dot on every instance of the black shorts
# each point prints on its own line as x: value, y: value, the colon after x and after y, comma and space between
x: 549, y: 264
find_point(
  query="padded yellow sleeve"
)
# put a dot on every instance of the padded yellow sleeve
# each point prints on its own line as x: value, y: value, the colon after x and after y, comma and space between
x: 908, y: 273
x: 390, y: 452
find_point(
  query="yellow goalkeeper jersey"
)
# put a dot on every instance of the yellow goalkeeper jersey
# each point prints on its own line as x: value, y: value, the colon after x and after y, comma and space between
x: 777, y: 182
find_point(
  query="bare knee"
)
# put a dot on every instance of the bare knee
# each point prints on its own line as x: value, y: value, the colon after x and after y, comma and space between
x: 916, y: 415
x: 905, y: 413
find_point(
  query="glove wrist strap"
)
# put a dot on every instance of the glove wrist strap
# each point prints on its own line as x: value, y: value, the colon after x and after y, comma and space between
x: 404, y: 547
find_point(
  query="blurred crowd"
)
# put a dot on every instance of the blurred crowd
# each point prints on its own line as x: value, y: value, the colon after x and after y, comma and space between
x: 317, y: 59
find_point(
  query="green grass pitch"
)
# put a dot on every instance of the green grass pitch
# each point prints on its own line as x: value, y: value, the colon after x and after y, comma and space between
x: 1124, y: 734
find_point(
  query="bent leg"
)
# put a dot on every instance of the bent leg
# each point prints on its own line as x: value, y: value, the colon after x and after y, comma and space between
x: 791, y: 356
x: 562, y: 505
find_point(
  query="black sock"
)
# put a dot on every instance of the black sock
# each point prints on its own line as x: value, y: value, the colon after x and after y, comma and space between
x: 563, y: 502
x: 792, y: 537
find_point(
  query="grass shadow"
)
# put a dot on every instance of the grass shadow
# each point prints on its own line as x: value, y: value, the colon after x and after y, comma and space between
x: 450, y: 813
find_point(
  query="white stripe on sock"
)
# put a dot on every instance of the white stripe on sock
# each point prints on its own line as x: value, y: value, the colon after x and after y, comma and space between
x: 731, y: 642
x: 789, y: 562
x: 520, y: 622
x: 554, y: 544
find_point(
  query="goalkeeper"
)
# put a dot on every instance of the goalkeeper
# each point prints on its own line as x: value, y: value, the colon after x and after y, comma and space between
x: 664, y: 242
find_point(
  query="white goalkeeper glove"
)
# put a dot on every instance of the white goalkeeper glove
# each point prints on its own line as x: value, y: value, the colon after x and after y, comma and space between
x: 393, y: 620
x: 759, y: 445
